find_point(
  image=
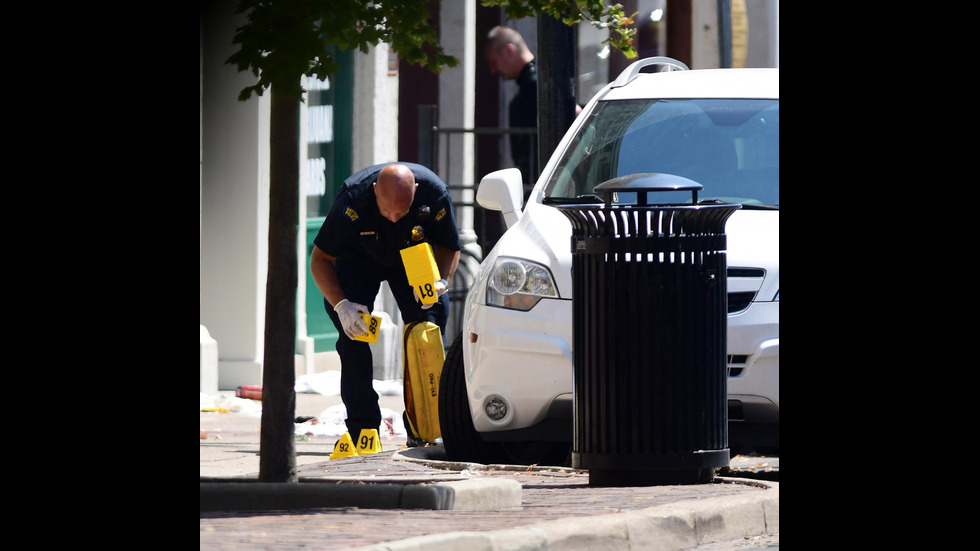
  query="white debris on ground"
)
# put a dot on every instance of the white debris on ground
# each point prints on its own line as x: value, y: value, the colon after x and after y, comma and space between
x: 328, y: 384
x: 221, y: 403
x: 330, y: 422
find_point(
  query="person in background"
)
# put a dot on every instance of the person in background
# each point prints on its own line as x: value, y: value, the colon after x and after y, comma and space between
x: 377, y: 212
x: 508, y: 56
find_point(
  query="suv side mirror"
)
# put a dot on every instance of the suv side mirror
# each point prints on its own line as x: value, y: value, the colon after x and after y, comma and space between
x: 502, y: 190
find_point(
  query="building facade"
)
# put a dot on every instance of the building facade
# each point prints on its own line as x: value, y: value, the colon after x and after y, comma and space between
x: 367, y: 114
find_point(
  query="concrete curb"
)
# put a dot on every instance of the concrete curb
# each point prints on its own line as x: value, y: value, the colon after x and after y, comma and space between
x: 435, y: 457
x: 671, y: 527
x: 238, y: 494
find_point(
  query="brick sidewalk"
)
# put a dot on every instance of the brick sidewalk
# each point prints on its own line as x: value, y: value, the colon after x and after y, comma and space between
x: 546, y: 494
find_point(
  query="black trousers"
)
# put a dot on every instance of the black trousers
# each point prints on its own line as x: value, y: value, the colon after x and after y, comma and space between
x: 361, y: 284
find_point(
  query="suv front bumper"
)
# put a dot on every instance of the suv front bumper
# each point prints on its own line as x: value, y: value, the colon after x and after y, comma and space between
x: 524, y: 361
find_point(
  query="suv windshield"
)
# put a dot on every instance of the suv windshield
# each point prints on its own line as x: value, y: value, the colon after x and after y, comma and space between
x: 729, y: 146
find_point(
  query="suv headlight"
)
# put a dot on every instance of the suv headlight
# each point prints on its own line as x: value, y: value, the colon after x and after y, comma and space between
x: 519, y: 284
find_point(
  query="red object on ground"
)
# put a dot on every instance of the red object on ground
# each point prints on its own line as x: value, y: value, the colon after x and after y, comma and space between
x: 253, y: 392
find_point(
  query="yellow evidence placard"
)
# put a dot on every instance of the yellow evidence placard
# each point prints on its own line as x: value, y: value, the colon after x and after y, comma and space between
x: 373, y: 324
x: 422, y: 271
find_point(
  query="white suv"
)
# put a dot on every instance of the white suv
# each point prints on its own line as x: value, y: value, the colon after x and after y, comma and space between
x: 506, y: 389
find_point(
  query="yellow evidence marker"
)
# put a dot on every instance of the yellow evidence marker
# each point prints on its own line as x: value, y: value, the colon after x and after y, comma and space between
x: 373, y: 324
x: 344, y: 448
x: 369, y: 442
x: 422, y: 271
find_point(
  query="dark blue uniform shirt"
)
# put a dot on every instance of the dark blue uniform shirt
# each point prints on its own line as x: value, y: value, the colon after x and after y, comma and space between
x: 356, y: 232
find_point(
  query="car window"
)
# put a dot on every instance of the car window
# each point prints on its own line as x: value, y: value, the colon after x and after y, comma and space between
x: 730, y: 146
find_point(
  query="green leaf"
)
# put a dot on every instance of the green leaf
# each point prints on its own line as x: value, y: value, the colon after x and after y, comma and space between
x: 282, y: 40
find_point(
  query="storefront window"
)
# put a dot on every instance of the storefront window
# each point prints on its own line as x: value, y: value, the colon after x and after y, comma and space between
x: 328, y: 135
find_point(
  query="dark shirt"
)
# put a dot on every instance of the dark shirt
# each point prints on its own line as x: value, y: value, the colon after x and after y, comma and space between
x: 355, y: 232
x: 523, y: 111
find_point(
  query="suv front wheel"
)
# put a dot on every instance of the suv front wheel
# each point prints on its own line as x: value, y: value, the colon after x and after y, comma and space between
x: 460, y: 439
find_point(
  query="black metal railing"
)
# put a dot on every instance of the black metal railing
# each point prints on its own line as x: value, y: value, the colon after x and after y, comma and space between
x: 435, y: 150
x: 459, y: 286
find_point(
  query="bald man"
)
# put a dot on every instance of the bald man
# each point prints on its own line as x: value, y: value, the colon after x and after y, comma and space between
x: 508, y: 56
x: 378, y: 212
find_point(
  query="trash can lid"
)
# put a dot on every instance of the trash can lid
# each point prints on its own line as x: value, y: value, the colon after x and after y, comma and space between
x: 643, y: 182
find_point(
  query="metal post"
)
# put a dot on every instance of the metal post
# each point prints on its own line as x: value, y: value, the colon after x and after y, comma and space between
x: 427, y: 143
x: 725, y: 33
x: 557, y: 74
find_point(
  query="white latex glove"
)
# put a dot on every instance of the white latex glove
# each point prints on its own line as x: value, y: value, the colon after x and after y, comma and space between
x: 441, y: 287
x: 347, y: 311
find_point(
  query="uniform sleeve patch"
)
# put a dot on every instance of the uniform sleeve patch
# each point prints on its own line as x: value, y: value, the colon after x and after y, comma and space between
x: 440, y: 214
x: 351, y: 213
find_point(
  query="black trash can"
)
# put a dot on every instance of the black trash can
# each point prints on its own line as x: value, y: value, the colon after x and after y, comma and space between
x: 649, y: 303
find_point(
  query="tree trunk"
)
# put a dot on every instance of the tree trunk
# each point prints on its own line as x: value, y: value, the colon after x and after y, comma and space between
x: 277, y: 454
x: 557, y: 74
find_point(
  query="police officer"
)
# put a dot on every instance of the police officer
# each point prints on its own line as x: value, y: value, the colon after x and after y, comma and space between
x: 378, y: 212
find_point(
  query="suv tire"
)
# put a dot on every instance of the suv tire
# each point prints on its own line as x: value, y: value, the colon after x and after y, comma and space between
x: 460, y: 439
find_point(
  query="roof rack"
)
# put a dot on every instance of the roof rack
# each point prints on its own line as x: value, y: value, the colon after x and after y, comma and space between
x: 628, y: 74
